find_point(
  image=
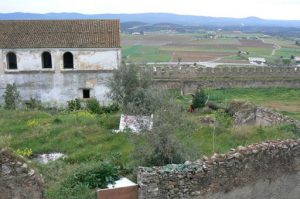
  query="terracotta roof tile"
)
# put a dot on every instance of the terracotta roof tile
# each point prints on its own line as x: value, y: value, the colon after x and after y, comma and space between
x: 60, y: 34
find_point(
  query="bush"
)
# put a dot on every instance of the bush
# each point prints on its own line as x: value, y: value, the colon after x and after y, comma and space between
x: 93, y: 106
x: 112, y: 108
x: 169, y: 141
x: 199, y: 99
x: 109, y: 121
x: 97, y: 175
x: 11, y: 96
x: 223, y: 118
x: 33, y: 104
x: 74, y: 105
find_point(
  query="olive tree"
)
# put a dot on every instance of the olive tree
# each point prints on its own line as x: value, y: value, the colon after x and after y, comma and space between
x: 132, y: 89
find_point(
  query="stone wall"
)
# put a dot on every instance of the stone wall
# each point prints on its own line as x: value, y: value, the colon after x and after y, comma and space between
x: 192, y: 72
x: 267, y: 170
x: 17, y: 181
x: 189, y: 78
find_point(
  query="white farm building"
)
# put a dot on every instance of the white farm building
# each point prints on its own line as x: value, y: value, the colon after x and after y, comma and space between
x: 58, y: 60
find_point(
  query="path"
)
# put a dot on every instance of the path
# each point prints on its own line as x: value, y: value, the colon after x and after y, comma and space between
x: 276, y: 47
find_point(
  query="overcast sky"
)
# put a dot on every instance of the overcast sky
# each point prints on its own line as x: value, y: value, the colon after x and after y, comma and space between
x: 268, y: 9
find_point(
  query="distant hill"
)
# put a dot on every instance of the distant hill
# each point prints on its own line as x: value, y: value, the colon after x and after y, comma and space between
x: 154, y: 18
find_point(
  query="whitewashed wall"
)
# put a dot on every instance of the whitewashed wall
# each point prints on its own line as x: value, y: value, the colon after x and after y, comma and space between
x: 84, y: 59
x: 56, y: 86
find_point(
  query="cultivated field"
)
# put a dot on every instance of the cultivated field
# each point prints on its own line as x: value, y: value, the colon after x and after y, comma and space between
x: 222, y: 47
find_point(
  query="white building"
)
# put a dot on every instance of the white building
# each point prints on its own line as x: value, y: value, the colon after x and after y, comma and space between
x: 58, y: 60
x: 297, y: 61
x: 257, y: 60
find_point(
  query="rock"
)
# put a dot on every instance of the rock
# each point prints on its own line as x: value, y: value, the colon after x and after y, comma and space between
x: 5, y: 170
x: 205, y: 158
x: 15, y: 179
x: 31, y: 172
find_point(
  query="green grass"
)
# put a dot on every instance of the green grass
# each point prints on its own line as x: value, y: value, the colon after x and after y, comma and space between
x: 87, y: 139
x: 284, y: 100
x: 224, y: 140
x: 140, y: 54
x: 79, y: 135
x: 288, y: 52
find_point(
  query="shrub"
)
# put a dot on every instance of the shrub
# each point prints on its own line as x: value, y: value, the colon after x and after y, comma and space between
x: 74, y: 105
x: 199, y: 99
x: 11, y: 96
x: 97, y: 175
x: 114, y: 107
x: 33, y: 104
x: 109, y: 121
x: 223, y: 118
x: 57, y: 121
x: 93, y: 106
x: 164, y: 144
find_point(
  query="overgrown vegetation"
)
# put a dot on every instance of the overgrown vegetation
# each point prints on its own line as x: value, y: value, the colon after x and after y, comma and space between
x: 97, y: 175
x: 84, y: 135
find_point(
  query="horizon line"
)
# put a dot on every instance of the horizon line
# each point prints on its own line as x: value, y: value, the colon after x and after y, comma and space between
x: 148, y: 13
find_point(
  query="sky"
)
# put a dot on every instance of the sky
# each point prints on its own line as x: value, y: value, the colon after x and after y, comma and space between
x: 267, y: 9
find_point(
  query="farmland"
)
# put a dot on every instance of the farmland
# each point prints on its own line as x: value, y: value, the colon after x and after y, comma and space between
x: 219, y: 46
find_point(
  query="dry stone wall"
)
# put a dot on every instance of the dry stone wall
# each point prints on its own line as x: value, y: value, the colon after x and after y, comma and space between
x: 266, y: 170
x: 17, y: 180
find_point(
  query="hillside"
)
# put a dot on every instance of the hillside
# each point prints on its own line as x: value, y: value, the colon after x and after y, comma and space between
x: 153, y: 18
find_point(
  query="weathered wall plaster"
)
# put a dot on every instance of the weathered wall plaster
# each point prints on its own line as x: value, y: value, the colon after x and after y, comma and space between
x: 56, y: 86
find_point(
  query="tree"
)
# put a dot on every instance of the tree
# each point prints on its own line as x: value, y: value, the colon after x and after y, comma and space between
x: 132, y: 89
x: 199, y: 99
x: 11, y: 96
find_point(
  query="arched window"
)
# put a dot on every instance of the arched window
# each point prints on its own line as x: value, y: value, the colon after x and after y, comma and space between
x: 11, y: 59
x: 46, y: 60
x: 68, y: 60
